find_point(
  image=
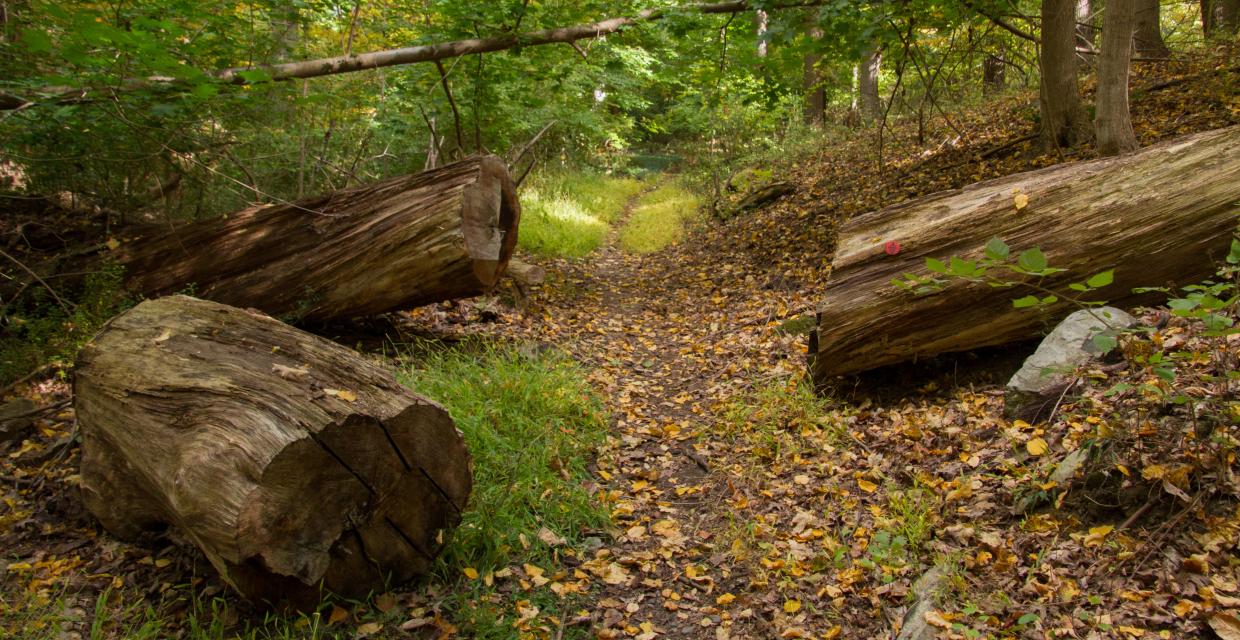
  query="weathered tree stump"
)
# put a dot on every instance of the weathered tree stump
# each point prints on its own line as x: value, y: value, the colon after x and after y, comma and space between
x: 294, y: 463
x: 438, y: 235
x: 1161, y: 216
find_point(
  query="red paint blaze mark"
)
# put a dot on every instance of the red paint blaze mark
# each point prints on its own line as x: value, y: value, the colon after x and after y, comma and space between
x: 892, y: 248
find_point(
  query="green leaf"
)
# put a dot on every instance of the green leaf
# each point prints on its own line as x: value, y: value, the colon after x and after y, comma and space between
x: 997, y: 249
x: 253, y: 76
x: 962, y: 267
x: 1101, y: 279
x: 1105, y: 341
x: 36, y: 41
x: 1050, y: 300
x: 1233, y: 257
x: 1182, y: 304
x: 1076, y: 286
x: 1027, y: 301
x: 1032, y: 260
x: 1028, y: 618
x: 936, y: 266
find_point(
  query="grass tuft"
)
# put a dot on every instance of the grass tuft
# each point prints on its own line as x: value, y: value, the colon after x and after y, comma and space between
x: 659, y: 220
x: 568, y: 214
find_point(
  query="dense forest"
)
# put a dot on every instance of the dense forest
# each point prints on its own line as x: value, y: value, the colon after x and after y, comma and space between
x: 619, y: 319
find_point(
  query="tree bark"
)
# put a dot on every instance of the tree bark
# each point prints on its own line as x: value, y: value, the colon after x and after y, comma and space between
x: 1161, y: 216
x: 867, y: 87
x: 290, y: 461
x: 815, y: 93
x: 1112, y: 121
x: 1064, y: 121
x: 1147, y: 40
x: 1227, y: 16
x: 994, y: 74
x: 1086, y: 25
x: 404, y: 242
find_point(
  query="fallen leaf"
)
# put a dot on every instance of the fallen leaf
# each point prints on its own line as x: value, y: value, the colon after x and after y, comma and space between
x: 337, y: 615
x: 792, y: 606
x: 1020, y: 201
x: 867, y: 486
x: 1226, y: 625
x: 1098, y: 534
x: 550, y: 538
x: 1036, y: 447
x: 470, y: 573
x: 369, y: 629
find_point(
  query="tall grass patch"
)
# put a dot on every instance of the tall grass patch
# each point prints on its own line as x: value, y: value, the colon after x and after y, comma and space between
x: 568, y: 214
x: 659, y: 219
x: 531, y: 423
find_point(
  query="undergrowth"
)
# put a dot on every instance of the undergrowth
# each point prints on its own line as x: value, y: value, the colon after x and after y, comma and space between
x: 568, y: 214
x: 41, y: 329
x: 659, y: 219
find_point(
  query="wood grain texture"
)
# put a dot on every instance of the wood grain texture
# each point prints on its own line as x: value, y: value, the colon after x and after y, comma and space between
x: 433, y: 236
x: 292, y: 462
x: 1162, y: 216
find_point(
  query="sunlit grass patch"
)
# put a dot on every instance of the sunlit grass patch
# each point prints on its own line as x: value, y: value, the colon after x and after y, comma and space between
x: 532, y: 424
x: 568, y: 214
x: 659, y: 219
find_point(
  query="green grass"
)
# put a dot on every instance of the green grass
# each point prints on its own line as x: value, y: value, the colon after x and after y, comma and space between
x: 659, y: 219
x: 532, y: 424
x: 568, y: 214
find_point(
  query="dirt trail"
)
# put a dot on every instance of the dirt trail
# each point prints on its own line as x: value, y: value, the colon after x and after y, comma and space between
x: 672, y: 338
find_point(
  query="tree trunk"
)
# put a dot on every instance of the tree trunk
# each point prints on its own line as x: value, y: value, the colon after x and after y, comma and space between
x: 994, y: 74
x: 404, y: 242
x: 1112, y: 122
x: 1227, y: 16
x: 815, y: 93
x: 1064, y: 121
x: 1086, y: 25
x: 867, y: 87
x: 290, y: 461
x: 1147, y: 40
x: 1161, y: 216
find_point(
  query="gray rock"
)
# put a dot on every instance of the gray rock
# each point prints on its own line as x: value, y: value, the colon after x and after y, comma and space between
x: 915, y: 626
x: 1031, y: 394
x: 16, y: 419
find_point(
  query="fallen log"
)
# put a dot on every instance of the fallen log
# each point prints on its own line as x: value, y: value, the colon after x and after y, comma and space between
x: 1162, y: 216
x: 292, y: 462
x: 438, y: 235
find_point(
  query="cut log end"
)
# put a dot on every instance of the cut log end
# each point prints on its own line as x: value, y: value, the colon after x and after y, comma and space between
x: 294, y: 464
x: 490, y: 218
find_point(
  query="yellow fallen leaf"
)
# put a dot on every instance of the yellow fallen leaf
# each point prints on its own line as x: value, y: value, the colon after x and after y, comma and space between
x: 1036, y: 447
x: 936, y: 619
x: 113, y: 244
x: 369, y: 629
x: 470, y: 573
x: 792, y: 606
x: 1020, y: 201
x: 1098, y: 534
x: 867, y: 486
x: 337, y: 615
x: 1184, y: 607
x: 162, y: 562
x: 724, y: 599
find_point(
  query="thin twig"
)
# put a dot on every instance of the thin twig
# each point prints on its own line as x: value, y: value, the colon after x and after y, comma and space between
x: 456, y: 114
x: 529, y: 145
x: 63, y: 305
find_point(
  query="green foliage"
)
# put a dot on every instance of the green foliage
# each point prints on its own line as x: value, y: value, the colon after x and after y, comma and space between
x: 659, y: 219
x: 568, y: 214
x: 37, y: 330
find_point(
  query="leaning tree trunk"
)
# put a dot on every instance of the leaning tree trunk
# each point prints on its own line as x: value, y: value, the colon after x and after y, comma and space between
x: 1158, y: 217
x: 400, y: 243
x: 1113, y: 122
x: 291, y: 461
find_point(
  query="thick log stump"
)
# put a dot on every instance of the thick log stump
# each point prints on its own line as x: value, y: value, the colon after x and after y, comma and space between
x: 413, y: 240
x: 293, y: 463
x: 1162, y: 216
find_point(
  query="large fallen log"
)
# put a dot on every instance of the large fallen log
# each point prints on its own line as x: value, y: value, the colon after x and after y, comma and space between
x: 293, y: 463
x: 1161, y: 216
x: 437, y: 235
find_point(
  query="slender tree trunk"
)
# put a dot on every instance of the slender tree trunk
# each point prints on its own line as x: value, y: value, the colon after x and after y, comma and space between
x: 815, y: 93
x: 867, y: 85
x: 1064, y: 121
x: 1113, y: 124
x: 994, y: 74
x: 1086, y: 25
x: 1147, y: 40
x: 763, y: 21
x: 1227, y: 16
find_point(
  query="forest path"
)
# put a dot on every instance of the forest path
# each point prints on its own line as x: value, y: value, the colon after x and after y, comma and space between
x: 676, y: 341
